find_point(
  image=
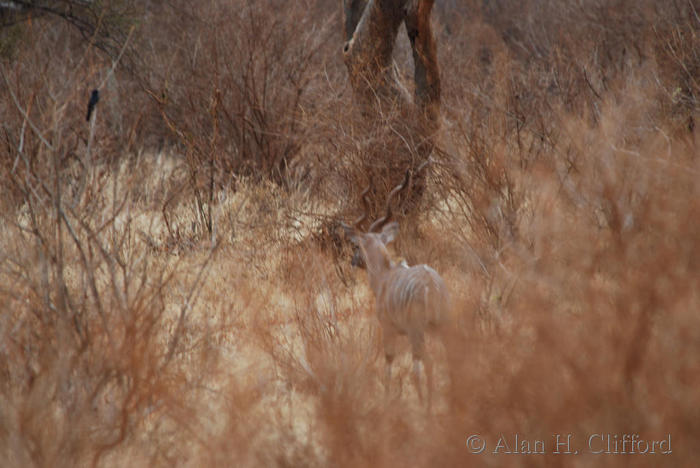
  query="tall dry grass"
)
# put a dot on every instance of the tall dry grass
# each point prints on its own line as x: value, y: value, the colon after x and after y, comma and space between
x: 167, y: 293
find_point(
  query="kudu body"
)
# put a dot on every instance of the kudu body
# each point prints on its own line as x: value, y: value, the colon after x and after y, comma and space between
x: 409, y: 299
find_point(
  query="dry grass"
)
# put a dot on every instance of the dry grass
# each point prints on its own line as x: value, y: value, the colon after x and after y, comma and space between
x: 168, y: 297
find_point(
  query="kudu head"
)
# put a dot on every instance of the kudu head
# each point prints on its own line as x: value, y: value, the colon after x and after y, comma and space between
x: 371, y: 249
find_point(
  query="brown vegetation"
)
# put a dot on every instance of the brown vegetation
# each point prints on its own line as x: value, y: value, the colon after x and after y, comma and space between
x: 165, y: 299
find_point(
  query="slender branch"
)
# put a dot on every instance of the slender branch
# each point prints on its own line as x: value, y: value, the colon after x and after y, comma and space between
x: 23, y: 112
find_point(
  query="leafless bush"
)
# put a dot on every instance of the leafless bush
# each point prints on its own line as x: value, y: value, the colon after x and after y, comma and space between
x: 244, y: 71
x: 91, y: 357
x: 105, y: 25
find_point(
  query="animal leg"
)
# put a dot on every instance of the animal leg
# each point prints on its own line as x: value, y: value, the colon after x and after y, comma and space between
x: 418, y: 348
x: 428, y: 364
x: 389, y: 354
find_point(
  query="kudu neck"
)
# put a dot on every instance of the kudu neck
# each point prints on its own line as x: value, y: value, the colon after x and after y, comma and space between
x: 377, y: 271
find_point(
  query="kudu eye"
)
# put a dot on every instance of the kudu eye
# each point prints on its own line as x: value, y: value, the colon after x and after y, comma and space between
x: 357, y: 260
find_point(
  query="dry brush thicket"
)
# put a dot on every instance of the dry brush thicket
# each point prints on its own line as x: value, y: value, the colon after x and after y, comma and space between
x: 174, y: 291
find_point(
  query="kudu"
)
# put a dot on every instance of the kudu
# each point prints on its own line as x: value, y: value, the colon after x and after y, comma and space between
x: 409, y: 300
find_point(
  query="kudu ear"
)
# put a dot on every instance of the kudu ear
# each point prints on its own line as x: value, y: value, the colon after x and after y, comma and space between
x: 389, y: 232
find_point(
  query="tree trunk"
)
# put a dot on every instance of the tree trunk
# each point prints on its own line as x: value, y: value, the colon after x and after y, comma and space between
x: 404, y: 140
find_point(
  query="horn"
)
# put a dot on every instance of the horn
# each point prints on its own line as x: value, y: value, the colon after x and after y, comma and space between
x: 378, y: 224
x: 365, y: 204
x: 406, y: 184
